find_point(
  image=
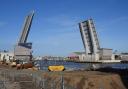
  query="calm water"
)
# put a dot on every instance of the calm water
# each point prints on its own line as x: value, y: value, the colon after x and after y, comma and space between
x: 43, y: 65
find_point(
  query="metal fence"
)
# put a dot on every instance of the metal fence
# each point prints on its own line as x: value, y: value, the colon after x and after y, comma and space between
x: 32, y: 80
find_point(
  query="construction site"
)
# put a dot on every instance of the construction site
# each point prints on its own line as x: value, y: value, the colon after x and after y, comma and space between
x: 18, y: 71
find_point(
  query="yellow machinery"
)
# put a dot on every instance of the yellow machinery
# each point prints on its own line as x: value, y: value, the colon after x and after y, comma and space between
x: 13, y: 64
x: 56, y: 68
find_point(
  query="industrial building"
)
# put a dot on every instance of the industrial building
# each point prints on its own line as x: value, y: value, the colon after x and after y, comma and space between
x: 6, y: 56
x: 77, y: 56
x: 124, y: 56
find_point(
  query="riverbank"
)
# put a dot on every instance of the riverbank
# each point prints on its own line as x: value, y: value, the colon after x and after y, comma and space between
x: 26, y: 79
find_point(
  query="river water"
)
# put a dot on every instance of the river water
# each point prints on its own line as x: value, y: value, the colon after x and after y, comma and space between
x: 43, y: 65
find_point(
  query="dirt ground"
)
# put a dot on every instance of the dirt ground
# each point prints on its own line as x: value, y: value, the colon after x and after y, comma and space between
x: 91, y: 80
x: 76, y: 79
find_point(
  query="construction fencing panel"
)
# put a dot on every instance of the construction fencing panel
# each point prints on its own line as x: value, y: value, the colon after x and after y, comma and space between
x: 33, y: 80
x: 49, y: 83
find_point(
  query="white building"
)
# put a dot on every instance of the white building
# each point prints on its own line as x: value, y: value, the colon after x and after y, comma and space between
x: 124, y: 56
x: 105, y: 54
x: 6, y: 56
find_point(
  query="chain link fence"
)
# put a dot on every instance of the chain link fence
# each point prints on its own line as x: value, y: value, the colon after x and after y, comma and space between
x: 32, y: 80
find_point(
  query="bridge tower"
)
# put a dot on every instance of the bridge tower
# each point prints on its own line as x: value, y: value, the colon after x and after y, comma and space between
x: 22, y: 50
x: 90, y: 39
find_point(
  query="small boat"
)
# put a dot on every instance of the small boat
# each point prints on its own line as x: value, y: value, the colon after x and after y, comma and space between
x: 56, y: 68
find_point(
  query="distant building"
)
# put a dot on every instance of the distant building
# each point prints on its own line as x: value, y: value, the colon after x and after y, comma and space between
x: 105, y: 54
x: 6, y: 56
x: 124, y: 56
x: 77, y: 56
x: 52, y: 58
x: 38, y: 58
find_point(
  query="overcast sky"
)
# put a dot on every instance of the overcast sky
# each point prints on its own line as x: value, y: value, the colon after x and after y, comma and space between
x: 55, y: 29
